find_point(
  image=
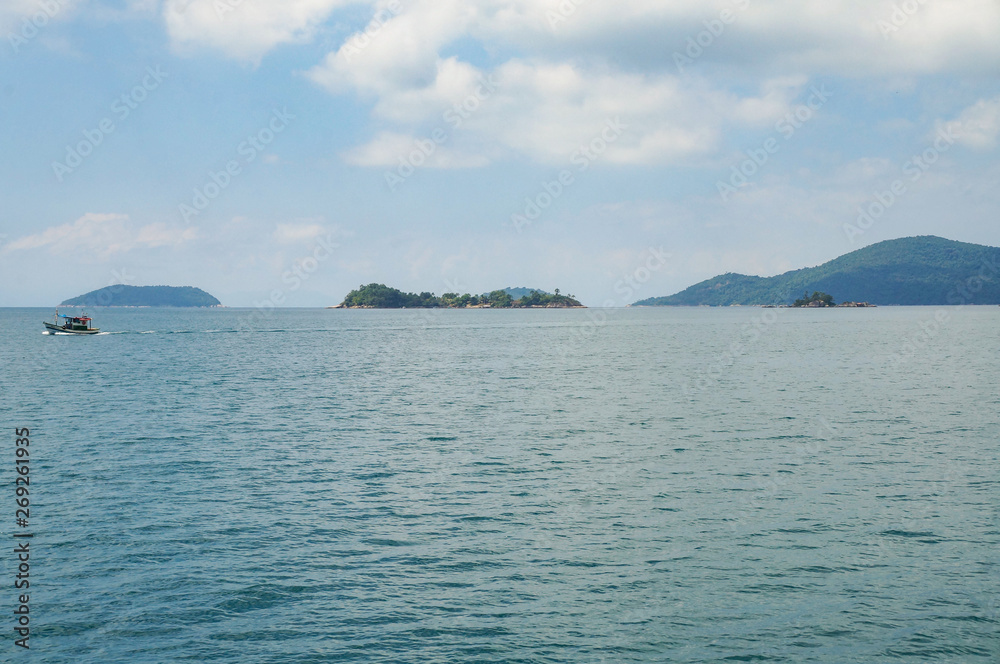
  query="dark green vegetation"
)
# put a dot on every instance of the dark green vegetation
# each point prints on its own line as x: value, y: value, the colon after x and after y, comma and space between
x: 121, y: 295
x: 817, y: 299
x: 925, y: 270
x: 380, y: 296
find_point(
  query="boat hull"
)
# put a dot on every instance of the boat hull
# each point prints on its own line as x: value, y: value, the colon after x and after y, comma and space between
x: 56, y: 328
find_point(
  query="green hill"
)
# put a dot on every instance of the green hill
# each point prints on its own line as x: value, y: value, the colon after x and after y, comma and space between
x: 925, y: 270
x: 121, y: 295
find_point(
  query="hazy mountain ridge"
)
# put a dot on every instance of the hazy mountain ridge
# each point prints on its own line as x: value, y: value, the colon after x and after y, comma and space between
x: 517, y: 292
x: 924, y: 270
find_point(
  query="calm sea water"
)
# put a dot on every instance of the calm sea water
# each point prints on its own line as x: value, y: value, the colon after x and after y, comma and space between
x: 640, y: 485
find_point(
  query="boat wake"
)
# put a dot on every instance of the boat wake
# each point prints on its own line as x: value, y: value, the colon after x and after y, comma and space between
x: 234, y: 331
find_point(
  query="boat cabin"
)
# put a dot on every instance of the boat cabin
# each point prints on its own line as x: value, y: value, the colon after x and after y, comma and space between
x: 76, y: 323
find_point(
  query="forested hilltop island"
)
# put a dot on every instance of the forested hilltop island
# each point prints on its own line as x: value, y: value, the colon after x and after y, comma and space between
x: 924, y: 270
x: 120, y: 295
x: 380, y: 296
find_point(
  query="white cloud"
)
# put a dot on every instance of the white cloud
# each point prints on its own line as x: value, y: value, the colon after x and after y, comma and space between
x: 162, y: 235
x: 841, y: 37
x: 102, y: 235
x: 547, y: 111
x: 562, y: 86
x: 540, y: 108
x: 978, y: 125
x: 846, y: 37
x: 293, y: 233
x: 244, y: 29
x: 567, y: 67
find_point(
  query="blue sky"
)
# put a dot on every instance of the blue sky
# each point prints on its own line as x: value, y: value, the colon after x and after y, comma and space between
x: 290, y: 151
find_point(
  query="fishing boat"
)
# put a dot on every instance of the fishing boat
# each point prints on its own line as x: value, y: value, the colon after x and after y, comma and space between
x: 70, y: 325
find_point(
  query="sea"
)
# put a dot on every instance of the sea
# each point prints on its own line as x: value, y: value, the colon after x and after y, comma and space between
x: 476, y: 486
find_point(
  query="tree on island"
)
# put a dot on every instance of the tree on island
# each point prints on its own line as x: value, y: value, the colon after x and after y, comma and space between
x: 499, y: 299
x: 532, y: 299
x: 817, y: 299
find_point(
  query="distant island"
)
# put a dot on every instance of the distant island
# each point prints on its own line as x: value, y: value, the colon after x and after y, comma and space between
x: 924, y: 270
x: 120, y: 295
x: 822, y: 300
x: 380, y: 296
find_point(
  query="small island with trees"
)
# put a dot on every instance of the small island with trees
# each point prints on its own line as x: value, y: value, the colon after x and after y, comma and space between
x: 380, y: 296
x: 818, y: 299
